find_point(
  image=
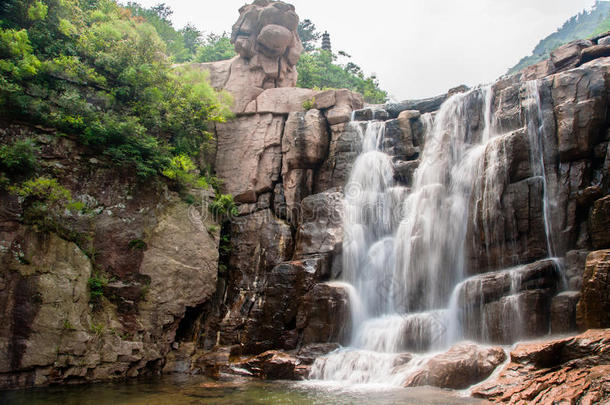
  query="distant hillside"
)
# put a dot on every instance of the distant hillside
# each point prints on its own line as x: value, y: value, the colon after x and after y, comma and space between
x: 586, y: 24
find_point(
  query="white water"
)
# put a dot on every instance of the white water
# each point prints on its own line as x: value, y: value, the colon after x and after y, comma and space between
x: 404, y: 253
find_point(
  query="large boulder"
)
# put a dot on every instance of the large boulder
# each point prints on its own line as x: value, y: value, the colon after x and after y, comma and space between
x: 593, y: 310
x: 249, y: 157
x: 321, y: 228
x: 461, y: 366
x: 305, y: 140
x: 324, y: 314
x: 599, y: 222
x: 268, y: 47
x: 570, y: 370
x: 580, y: 100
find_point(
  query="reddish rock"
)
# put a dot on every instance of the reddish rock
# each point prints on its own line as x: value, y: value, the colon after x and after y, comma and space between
x: 324, y: 314
x: 568, y: 55
x: 458, y: 368
x: 563, y: 312
x: 593, y: 310
x: 569, y: 370
x: 271, y: 365
x: 599, y: 223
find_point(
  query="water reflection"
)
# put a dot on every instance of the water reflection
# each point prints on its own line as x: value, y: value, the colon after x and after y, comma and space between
x: 189, y: 390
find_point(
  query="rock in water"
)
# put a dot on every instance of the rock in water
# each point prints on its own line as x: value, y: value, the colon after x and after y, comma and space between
x: 458, y: 368
x: 571, y: 370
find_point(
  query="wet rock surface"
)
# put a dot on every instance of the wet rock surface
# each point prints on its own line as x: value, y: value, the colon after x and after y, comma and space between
x: 593, y: 310
x: 458, y: 368
x: 571, y: 370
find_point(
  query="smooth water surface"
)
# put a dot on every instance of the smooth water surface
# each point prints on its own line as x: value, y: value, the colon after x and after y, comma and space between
x: 191, y: 390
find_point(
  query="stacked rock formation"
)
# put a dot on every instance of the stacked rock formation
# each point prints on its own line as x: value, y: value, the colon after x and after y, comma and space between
x: 265, y: 37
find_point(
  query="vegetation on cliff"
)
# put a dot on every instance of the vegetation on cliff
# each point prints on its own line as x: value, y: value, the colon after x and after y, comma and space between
x: 103, y: 73
x: 586, y: 24
x: 319, y: 68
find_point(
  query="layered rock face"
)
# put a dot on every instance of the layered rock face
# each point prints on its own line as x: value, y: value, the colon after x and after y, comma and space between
x: 287, y: 240
x: 154, y: 253
x: 570, y: 370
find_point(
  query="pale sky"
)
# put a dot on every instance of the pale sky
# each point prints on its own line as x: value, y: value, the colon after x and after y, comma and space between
x: 417, y: 48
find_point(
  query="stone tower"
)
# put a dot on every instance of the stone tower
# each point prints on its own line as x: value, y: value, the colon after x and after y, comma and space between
x: 326, y: 41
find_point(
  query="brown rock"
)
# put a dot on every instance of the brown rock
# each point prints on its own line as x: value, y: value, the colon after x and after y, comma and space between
x: 305, y: 140
x: 594, y: 52
x: 338, y: 114
x: 563, y: 312
x: 593, y: 310
x: 321, y: 228
x: 345, y: 146
x: 599, y: 223
x: 538, y: 70
x: 579, y: 113
x: 275, y: 39
x: 568, y: 55
x: 181, y: 261
x: 324, y: 314
x: 570, y: 370
x: 271, y: 365
x: 283, y: 100
x: 249, y: 155
x: 458, y: 368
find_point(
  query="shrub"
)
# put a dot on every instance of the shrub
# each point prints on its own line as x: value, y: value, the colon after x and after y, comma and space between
x: 19, y: 158
x: 223, y: 206
x: 96, y: 284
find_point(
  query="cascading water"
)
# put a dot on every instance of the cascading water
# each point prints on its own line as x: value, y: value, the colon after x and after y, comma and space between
x: 404, y: 251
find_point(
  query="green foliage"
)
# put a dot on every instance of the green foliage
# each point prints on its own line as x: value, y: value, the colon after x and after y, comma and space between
x: 96, y: 328
x: 37, y: 11
x: 44, y: 202
x: 223, y: 206
x: 43, y: 189
x: 318, y: 69
x: 309, y: 104
x: 215, y: 48
x: 182, y: 169
x: 19, y: 158
x: 101, y: 72
x: 212, y: 229
x: 308, y: 34
x: 96, y: 284
x: 68, y: 325
x: 137, y: 244
x: 585, y: 24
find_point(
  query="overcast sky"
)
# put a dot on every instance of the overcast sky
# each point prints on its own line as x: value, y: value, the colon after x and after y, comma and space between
x: 417, y: 48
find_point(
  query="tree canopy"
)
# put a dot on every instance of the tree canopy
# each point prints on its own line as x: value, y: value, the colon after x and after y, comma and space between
x: 103, y: 73
x: 319, y: 68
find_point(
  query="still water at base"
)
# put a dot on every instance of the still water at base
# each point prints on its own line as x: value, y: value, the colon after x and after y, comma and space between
x: 187, y: 390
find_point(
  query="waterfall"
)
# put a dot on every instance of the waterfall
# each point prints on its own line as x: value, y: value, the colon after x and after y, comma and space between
x: 405, y: 251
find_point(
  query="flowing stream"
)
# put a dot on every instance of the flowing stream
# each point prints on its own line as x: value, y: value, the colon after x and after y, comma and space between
x: 405, y: 250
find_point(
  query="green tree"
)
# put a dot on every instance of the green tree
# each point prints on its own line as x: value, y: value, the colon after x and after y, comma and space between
x: 215, y: 47
x: 308, y: 34
x: 101, y: 72
x: 318, y: 70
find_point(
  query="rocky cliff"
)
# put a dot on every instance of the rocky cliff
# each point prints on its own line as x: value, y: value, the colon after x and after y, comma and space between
x: 286, y: 158
x: 98, y: 293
